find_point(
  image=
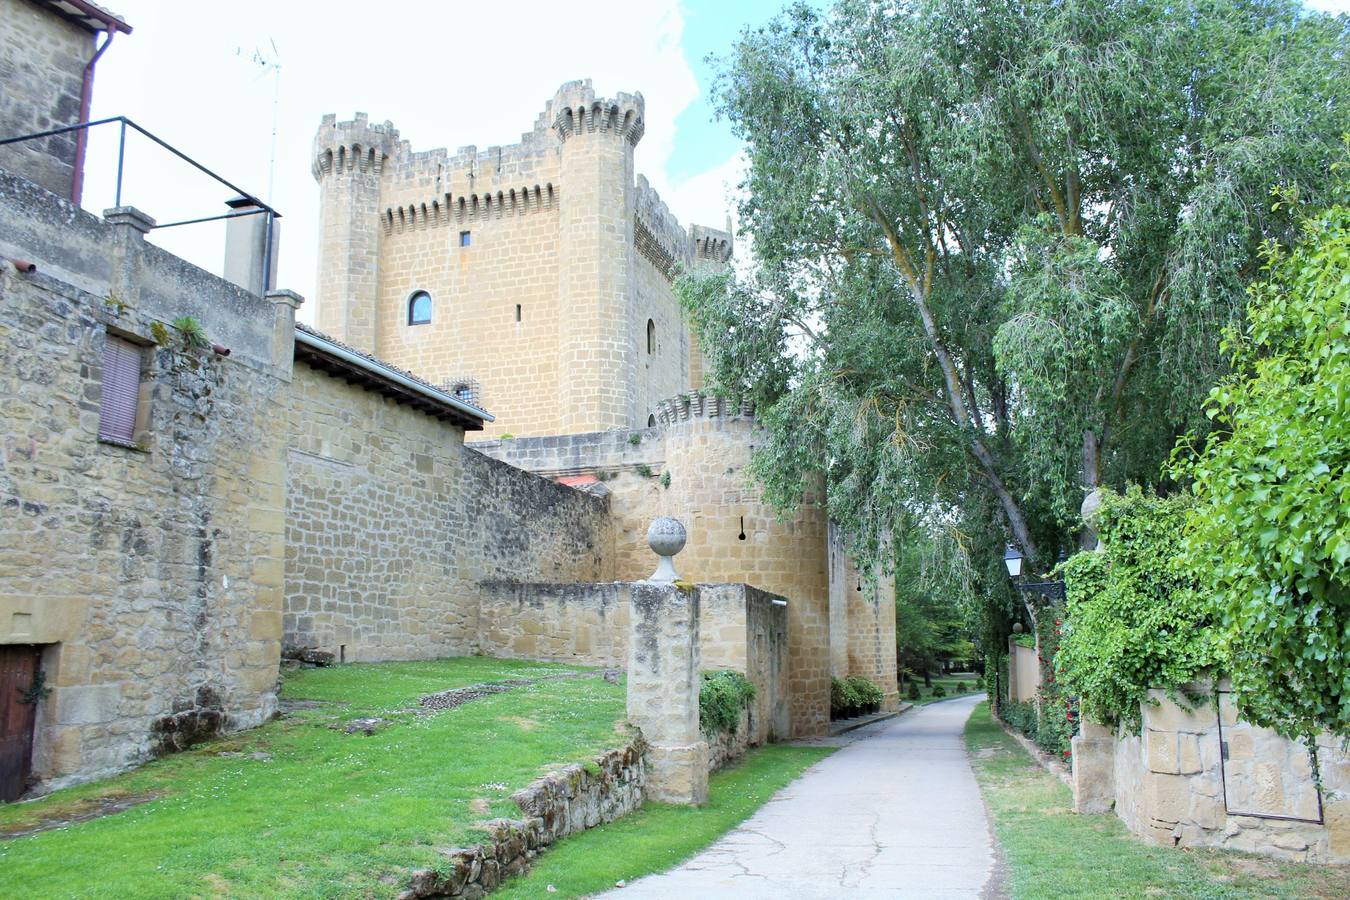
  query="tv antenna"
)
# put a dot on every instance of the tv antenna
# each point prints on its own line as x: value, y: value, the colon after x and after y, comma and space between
x: 270, y: 63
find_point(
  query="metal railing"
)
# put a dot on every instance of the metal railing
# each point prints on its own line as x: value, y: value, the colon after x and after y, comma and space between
x: 125, y: 123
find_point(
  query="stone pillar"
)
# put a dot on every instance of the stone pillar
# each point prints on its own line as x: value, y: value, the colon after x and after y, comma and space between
x: 664, y: 665
x: 665, y: 673
x: 284, y: 306
x: 1094, y: 769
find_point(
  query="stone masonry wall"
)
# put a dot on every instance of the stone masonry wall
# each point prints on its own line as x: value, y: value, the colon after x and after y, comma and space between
x: 1173, y: 785
x: 562, y: 803
x: 149, y: 575
x: 392, y: 524
x: 740, y: 628
x: 42, y: 59
x: 706, y: 456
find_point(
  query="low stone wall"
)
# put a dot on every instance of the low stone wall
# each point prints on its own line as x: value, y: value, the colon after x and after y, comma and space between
x: 1204, y: 778
x: 740, y: 628
x: 726, y: 747
x: 562, y: 803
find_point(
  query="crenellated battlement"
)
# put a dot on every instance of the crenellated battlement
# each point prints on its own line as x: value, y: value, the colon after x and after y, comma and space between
x: 698, y: 405
x: 575, y: 109
x: 461, y: 208
x: 355, y: 146
x: 711, y: 244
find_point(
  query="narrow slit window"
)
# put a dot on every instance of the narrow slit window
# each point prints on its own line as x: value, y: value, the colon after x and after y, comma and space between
x: 419, y: 308
x: 121, y: 391
x: 517, y: 312
x: 651, y: 336
x: 464, y: 238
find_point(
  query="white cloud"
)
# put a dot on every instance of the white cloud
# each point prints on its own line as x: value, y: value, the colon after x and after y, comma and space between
x: 446, y: 74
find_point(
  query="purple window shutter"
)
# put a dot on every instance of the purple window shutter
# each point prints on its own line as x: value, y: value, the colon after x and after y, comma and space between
x: 121, y: 387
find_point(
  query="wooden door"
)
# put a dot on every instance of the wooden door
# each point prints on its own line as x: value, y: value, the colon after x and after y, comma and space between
x: 18, y: 673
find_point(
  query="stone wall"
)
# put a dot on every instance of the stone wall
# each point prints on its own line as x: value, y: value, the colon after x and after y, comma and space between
x: 740, y: 628
x: 862, y: 622
x: 42, y: 59
x: 734, y: 535
x: 150, y: 575
x: 562, y: 803
x: 1024, y: 672
x: 392, y: 524
x: 1175, y: 785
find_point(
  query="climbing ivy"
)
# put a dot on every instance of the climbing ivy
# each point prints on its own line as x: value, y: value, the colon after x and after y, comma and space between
x: 1269, y: 533
x: 1135, y: 616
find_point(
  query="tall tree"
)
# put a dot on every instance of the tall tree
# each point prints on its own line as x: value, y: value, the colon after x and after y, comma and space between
x: 995, y: 242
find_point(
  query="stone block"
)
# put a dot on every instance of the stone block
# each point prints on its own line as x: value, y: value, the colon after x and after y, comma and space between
x: 88, y: 704
x: 1094, y: 782
x: 1162, y: 753
x: 1188, y: 760
x: 1336, y: 815
x: 1167, y: 797
x: 678, y: 774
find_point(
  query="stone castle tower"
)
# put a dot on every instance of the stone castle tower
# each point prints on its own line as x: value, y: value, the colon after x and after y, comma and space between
x: 533, y: 280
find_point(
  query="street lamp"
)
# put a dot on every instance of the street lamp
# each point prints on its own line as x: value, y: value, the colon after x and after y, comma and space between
x: 1050, y: 590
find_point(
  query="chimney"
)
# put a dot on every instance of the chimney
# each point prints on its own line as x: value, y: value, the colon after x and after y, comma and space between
x: 246, y: 256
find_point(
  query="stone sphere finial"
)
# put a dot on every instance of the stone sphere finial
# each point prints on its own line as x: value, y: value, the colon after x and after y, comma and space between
x: 666, y: 537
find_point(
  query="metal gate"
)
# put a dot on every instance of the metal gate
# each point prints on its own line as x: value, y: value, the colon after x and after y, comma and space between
x: 18, y: 713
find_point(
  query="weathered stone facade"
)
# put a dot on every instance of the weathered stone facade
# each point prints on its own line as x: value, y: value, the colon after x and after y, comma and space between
x: 391, y: 524
x: 150, y: 575
x: 1204, y: 778
x: 548, y: 264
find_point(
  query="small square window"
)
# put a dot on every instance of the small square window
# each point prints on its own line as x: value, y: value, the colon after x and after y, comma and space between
x: 464, y: 238
x: 120, y: 401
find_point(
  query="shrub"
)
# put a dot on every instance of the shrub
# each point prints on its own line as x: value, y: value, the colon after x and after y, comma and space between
x: 721, y: 698
x: 867, y: 693
x: 843, y: 698
x: 979, y: 683
x: 961, y: 687
x: 1020, y: 716
x: 939, y: 690
x: 914, y: 692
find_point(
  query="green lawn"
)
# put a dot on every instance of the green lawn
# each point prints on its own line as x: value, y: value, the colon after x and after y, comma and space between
x: 657, y: 836
x: 319, y: 813
x: 948, y: 683
x: 1053, y: 853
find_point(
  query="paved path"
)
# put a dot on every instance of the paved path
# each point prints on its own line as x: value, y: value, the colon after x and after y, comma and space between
x: 894, y: 813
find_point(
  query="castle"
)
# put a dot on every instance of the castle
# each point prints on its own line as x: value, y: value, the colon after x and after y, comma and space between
x: 178, y: 513
x: 534, y: 279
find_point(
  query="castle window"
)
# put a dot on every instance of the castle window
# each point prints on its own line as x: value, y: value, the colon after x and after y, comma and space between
x: 651, y: 336
x: 419, y: 308
x: 517, y: 312
x: 464, y: 238
x: 651, y: 421
x: 119, y: 405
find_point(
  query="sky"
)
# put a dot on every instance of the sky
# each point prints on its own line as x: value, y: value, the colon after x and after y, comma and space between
x: 447, y: 74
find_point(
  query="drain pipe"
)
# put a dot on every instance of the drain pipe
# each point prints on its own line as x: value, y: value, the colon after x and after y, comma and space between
x: 110, y: 26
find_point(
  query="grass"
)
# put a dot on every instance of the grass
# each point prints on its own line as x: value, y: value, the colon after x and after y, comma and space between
x: 1053, y: 853
x: 948, y: 683
x: 318, y: 813
x: 658, y: 836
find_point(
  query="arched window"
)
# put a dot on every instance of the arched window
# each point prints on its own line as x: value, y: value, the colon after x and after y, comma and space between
x: 651, y: 421
x: 419, y: 308
x: 651, y: 336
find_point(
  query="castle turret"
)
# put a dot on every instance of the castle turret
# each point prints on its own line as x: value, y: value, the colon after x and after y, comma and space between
x: 597, y: 328
x: 349, y: 158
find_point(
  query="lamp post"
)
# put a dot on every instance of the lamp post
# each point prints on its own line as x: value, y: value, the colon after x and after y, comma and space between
x: 1050, y: 590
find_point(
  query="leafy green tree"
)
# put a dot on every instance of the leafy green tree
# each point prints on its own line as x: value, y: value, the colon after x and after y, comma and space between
x: 995, y: 243
x: 1269, y: 537
x: 933, y: 604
